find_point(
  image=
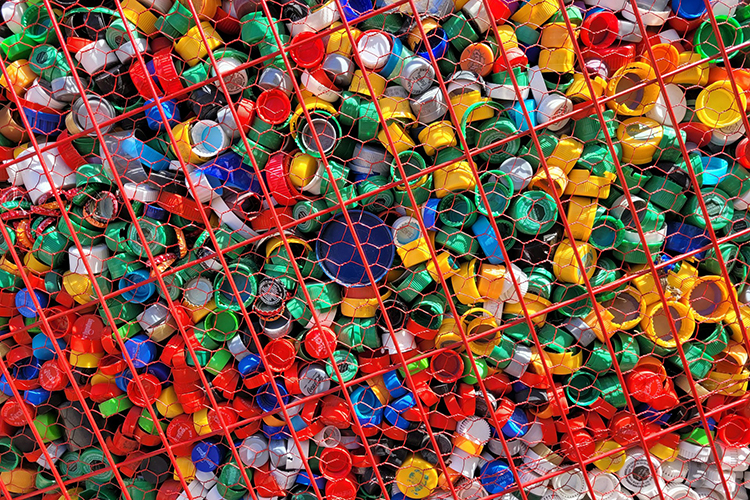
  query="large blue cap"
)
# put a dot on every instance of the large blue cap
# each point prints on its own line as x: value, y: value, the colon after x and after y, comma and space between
x: 496, y: 477
x: 25, y: 302
x: 141, y: 350
x: 517, y: 424
x: 689, y: 9
x: 338, y: 253
x: 207, y: 456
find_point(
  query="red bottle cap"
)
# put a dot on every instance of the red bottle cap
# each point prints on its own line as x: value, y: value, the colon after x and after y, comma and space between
x: 320, y: 342
x: 104, y: 391
x: 169, y: 490
x: 228, y: 413
x: 623, y: 429
x: 17, y: 327
x: 697, y: 133
x: 280, y: 354
x: 644, y: 383
x: 273, y: 106
x: 734, y: 430
x: 549, y: 433
x: 245, y: 114
x: 181, y: 430
x: 151, y: 387
x: 12, y: 413
x: 438, y: 420
x: 335, y: 462
x: 516, y: 58
x: 131, y: 421
x: 335, y: 412
x: 505, y: 410
x: 52, y: 377
x: 87, y: 333
x: 291, y: 379
x: 447, y: 366
x: 308, y: 50
x: 60, y: 325
x: 580, y: 439
x: 112, y: 365
x: 227, y: 382
x: 743, y: 152
x: 599, y: 30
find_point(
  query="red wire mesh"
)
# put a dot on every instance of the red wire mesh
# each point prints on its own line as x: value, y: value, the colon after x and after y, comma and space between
x: 133, y: 441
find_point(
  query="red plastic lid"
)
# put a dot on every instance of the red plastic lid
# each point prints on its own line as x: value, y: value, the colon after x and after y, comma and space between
x: 12, y: 413
x: 75, y: 43
x: 17, y: 327
x: 310, y: 51
x: 500, y: 10
x: 151, y: 386
x: 180, y: 430
x: 439, y: 421
x: 644, y: 385
x: 280, y: 354
x: 87, y: 333
x: 734, y: 430
x: 169, y: 490
x: 623, y: 429
x: 227, y: 381
x: 60, y: 325
x: 578, y: 439
x: 447, y: 366
x: 697, y: 133
x: 599, y: 29
x: 245, y: 113
x: 335, y: 462
x: 131, y: 421
x: 320, y: 342
x: 102, y: 392
x: 228, y: 413
x: 273, y: 106
x: 112, y: 365
x: 344, y: 488
x: 52, y: 377
x: 743, y: 152
x: 335, y: 412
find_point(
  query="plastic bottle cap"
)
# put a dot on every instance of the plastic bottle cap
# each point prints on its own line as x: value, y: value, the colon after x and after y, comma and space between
x: 310, y: 52
x: 273, y: 106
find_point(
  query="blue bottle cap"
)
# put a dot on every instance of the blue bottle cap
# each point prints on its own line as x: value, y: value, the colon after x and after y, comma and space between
x: 488, y: 240
x: 250, y: 365
x: 43, y: 347
x: 367, y: 407
x: 714, y: 169
x: 153, y: 117
x: 429, y: 213
x: 689, y: 9
x: 141, y: 350
x: 25, y: 304
x: 517, y: 424
x: 36, y: 396
x: 156, y: 213
x: 159, y: 370
x: 141, y: 293
x: 496, y: 477
x: 683, y: 238
x: 304, y: 478
x: 276, y: 432
x: 266, y: 398
x: 516, y: 114
x: 393, y: 383
x: 338, y: 254
x: 395, y: 419
x: 404, y: 403
x: 207, y: 456
x: 123, y: 378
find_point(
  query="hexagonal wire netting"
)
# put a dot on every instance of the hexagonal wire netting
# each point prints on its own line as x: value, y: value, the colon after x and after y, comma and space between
x: 392, y: 352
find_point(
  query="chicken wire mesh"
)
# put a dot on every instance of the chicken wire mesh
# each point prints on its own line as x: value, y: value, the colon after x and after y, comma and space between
x: 429, y: 249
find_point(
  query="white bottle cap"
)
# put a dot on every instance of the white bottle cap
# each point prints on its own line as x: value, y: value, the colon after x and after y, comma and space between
x: 402, y: 338
x: 375, y: 48
x: 463, y: 463
x: 570, y: 485
x: 96, y: 56
x: 606, y: 486
x: 677, y: 101
x: 253, y: 451
x: 95, y: 255
x: 551, y: 107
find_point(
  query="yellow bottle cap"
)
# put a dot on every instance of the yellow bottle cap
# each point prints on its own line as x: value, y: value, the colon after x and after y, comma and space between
x: 139, y: 15
x: 639, y: 138
x: 457, y: 176
x: 191, y: 47
x: 186, y: 467
x: 78, y: 286
x: 167, y: 403
x: 581, y: 216
x: 416, y: 478
x: 611, y: 463
x: 535, y: 13
x: 200, y: 421
x: 436, y: 136
x: 20, y: 74
x: 560, y: 60
x: 85, y: 360
x: 637, y: 102
x: 402, y: 141
x: 717, y: 107
x: 656, y: 323
x: 565, y: 265
x: 302, y: 169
